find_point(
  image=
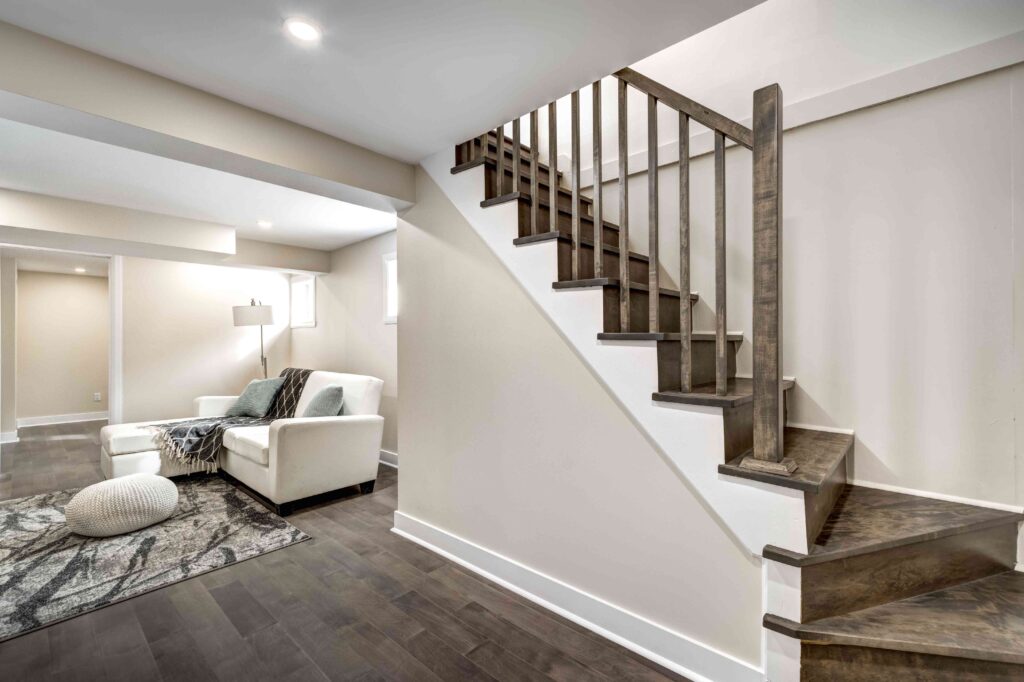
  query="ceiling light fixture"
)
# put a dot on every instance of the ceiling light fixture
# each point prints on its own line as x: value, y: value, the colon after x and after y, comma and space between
x: 302, y: 30
x: 265, y: 224
x: 79, y: 270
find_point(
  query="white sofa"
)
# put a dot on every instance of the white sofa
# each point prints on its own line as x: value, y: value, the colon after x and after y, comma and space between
x: 285, y: 461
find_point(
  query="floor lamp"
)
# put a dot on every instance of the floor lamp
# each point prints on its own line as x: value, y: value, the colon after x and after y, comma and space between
x: 252, y: 315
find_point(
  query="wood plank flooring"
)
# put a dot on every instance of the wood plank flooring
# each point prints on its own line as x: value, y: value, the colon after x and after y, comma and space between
x: 356, y: 603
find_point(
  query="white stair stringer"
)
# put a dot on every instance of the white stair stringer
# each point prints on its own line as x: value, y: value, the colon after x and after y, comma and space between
x: 690, y: 437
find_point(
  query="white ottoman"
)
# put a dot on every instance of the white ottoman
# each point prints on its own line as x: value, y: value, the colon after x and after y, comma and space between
x: 121, y: 505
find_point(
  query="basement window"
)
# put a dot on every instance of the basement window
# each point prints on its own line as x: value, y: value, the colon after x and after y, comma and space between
x: 391, y: 288
x: 303, y: 304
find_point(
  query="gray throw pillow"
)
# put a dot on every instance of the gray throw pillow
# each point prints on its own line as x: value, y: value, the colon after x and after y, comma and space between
x: 256, y: 398
x: 327, y: 402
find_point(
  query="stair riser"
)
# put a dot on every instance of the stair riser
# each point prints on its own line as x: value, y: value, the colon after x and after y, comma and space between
x: 845, y: 585
x: 668, y: 311
x: 462, y: 155
x: 610, y: 261
x: 609, y: 234
x: 702, y: 354
x: 564, y: 195
x: 845, y: 663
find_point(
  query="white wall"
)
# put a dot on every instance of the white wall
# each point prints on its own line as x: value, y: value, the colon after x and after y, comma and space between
x: 179, y: 339
x: 509, y: 442
x: 63, y: 330
x: 350, y: 335
x: 899, y: 279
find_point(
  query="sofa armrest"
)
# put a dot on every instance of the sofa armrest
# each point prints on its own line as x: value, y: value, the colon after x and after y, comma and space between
x: 212, y: 405
x: 346, y: 447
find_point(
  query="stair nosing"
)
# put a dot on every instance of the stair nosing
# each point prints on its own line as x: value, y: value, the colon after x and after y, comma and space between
x: 563, y: 237
x: 732, y: 337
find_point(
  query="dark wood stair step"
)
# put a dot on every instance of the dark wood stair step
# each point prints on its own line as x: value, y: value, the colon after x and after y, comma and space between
x: 740, y: 392
x: 609, y: 230
x: 817, y: 454
x: 878, y: 546
x: 732, y: 337
x: 615, y: 282
x: 982, y: 620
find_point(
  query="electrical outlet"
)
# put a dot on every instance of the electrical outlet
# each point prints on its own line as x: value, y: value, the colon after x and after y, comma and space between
x: 97, y: 397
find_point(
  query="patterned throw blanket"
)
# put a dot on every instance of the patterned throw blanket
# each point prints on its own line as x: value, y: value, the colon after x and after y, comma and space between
x: 197, y: 442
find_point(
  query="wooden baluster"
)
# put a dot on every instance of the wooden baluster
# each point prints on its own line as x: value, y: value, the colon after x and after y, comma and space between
x: 534, y: 180
x: 721, y: 341
x: 769, y: 417
x: 483, y: 146
x: 553, y: 167
x: 500, y: 187
x: 623, y: 210
x: 685, y: 310
x: 598, y: 210
x: 576, y: 243
x: 653, y: 278
x: 517, y: 158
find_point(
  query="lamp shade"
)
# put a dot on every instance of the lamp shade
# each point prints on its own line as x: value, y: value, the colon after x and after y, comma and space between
x: 252, y: 315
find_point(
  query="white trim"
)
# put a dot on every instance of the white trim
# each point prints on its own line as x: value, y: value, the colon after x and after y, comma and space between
x: 670, y: 649
x: 63, y: 418
x: 938, y: 496
x: 115, y: 374
x: 949, y: 68
x: 389, y: 458
x: 385, y: 260
x: 8, y: 437
x: 815, y: 427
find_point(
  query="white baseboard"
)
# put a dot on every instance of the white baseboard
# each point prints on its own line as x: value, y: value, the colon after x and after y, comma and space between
x: 8, y: 436
x: 938, y: 496
x: 389, y: 458
x: 62, y: 419
x: 670, y: 649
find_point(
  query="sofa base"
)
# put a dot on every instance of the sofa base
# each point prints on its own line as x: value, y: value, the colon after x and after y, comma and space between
x: 288, y: 508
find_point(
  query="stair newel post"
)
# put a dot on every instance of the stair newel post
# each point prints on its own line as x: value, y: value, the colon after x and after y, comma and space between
x: 721, y: 340
x: 598, y: 210
x: 653, y: 277
x: 576, y: 243
x: 534, y: 181
x: 499, y: 189
x: 623, y: 209
x: 769, y: 418
x: 517, y: 155
x: 553, y: 167
x: 685, y: 310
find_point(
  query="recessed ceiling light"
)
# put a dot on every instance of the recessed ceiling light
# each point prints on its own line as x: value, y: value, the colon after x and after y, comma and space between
x: 303, y: 30
x: 265, y: 224
x: 79, y: 270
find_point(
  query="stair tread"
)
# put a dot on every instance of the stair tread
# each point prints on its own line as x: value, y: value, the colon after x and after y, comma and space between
x: 524, y: 196
x: 982, y: 620
x: 740, y: 391
x: 565, y: 237
x: 613, y: 282
x: 868, y: 520
x: 817, y: 454
x: 734, y: 337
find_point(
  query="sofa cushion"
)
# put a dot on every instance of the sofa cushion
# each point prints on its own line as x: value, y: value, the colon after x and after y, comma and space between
x: 251, y: 442
x: 326, y: 403
x: 362, y: 393
x: 256, y: 399
x: 123, y: 439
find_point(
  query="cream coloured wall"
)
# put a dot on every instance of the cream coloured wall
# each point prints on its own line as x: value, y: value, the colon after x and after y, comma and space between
x: 62, y: 330
x: 8, y: 345
x: 509, y: 442
x: 179, y: 339
x: 899, y: 250
x: 350, y: 335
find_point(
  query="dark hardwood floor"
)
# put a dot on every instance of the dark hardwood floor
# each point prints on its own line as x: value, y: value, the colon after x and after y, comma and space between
x: 356, y: 603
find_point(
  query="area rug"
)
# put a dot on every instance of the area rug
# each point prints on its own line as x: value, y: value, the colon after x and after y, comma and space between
x: 48, y: 574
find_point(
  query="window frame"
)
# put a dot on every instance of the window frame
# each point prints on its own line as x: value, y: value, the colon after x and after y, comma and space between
x: 386, y: 260
x: 305, y: 324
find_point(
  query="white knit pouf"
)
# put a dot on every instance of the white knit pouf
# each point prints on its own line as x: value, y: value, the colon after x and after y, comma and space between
x: 121, y: 505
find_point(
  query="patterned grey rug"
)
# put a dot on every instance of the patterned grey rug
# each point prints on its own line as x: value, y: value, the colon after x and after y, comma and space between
x: 48, y: 574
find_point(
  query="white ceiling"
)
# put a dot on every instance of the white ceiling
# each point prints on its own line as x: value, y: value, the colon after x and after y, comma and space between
x: 403, y: 77
x: 61, y: 262
x: 46, y: 162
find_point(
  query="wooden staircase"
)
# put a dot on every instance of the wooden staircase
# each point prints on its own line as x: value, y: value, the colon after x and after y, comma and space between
x: 892, y: 586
